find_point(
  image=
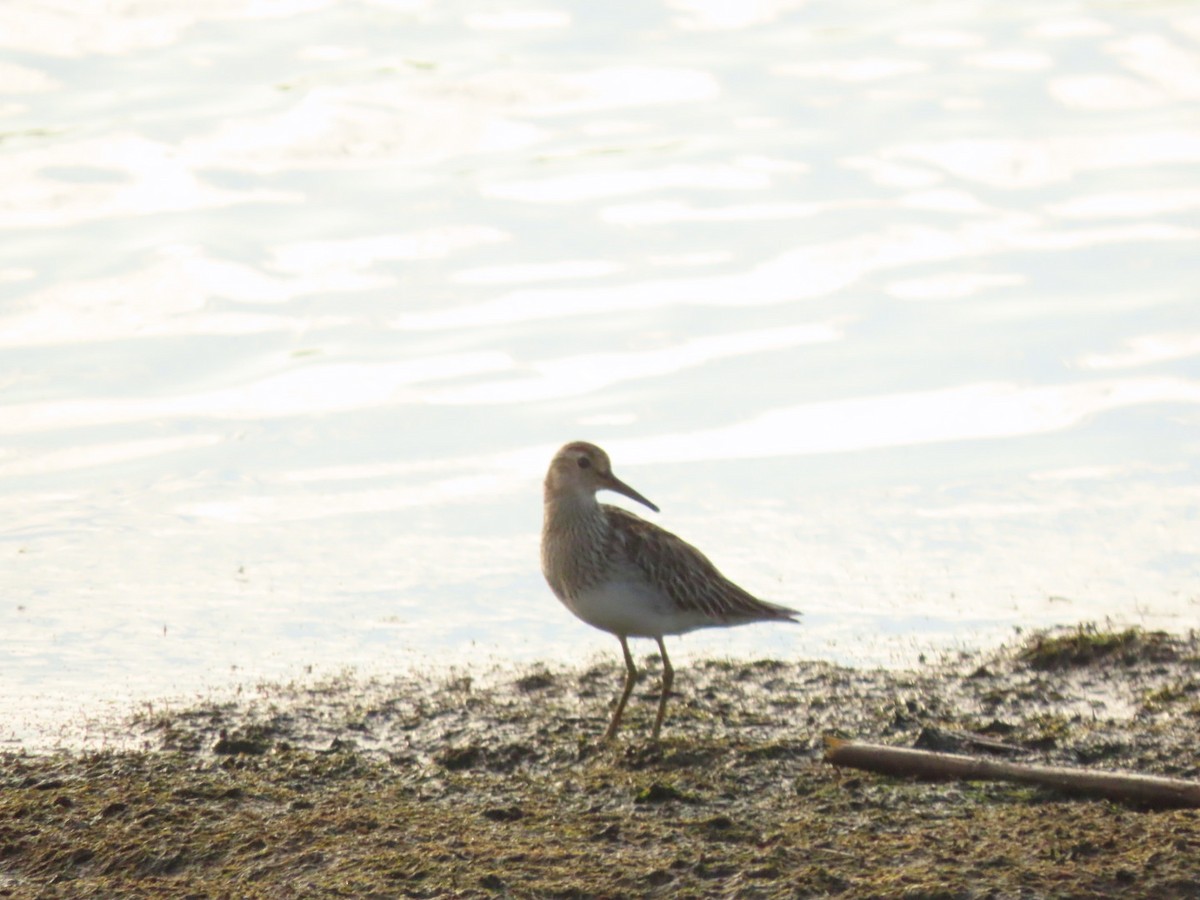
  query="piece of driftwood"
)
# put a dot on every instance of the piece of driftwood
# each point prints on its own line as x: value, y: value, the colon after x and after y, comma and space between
x: 1142, y: 790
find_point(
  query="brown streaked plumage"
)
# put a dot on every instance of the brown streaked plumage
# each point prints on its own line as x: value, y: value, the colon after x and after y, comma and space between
x: 627, y: 576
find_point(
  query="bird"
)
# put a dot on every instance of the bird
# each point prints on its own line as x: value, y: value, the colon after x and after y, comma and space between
x: 627, y: 576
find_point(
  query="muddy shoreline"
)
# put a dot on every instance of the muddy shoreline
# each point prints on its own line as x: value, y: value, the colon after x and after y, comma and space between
x: 443, y: 787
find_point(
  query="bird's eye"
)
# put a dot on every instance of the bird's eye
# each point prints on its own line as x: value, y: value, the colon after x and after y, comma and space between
x: 584, y: 462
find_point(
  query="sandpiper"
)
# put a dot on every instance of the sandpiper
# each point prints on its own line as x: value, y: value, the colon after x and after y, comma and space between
x: 627, y: 576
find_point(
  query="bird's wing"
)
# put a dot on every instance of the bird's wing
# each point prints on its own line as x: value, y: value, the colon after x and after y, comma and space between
x: 685, y: 574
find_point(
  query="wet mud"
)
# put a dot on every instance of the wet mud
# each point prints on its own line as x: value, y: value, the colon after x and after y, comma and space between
x: 454, y: 786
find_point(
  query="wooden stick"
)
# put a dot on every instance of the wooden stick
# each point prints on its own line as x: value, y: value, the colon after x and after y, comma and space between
x: 1145, y: 790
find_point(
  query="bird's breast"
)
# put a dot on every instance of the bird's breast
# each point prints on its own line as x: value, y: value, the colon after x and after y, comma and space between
x: 574, y: 558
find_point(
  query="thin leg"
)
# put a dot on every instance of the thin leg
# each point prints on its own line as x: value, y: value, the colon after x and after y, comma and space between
x: 630, y: 679
x: 668, y: 678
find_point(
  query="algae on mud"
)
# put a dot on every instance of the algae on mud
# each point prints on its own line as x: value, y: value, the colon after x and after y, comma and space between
x: 433, y: 788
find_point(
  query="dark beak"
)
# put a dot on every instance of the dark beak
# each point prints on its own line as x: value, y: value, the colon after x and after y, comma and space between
x: 613, y: 483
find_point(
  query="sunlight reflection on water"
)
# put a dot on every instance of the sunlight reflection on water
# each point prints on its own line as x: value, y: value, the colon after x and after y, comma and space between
x: 893, y: 313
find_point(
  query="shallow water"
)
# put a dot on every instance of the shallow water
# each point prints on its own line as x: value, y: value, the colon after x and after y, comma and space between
x: 893, y: 312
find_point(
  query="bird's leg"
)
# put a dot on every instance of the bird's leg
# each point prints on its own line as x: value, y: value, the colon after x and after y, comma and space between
x: 630, y: 679
x: 668, y: 678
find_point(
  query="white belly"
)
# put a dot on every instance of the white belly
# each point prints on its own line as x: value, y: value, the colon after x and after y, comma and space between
x: 634, y: 610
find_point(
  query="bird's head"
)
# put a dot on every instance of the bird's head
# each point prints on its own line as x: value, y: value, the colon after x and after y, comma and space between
x: 579, y: 469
